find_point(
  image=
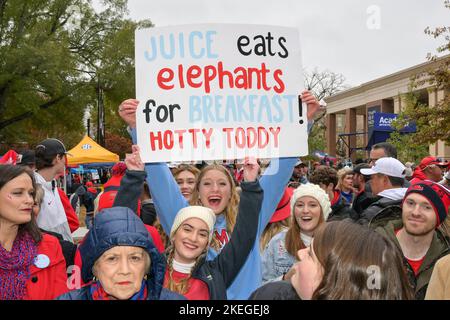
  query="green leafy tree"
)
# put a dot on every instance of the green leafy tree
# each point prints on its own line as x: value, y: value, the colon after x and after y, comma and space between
x: 55, y: 57
x: 407, y: 148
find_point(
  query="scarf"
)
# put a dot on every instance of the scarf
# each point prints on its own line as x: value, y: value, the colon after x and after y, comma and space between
x: 98, y: 293
x: 306, y: 239
x: 15, y: 267
x: 182, y: 267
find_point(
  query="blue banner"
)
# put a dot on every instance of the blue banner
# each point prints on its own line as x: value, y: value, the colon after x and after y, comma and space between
x: 383, y: 121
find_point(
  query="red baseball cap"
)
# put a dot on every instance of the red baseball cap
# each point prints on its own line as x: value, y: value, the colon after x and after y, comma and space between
x: 283, y: 208
x: 427, y: 161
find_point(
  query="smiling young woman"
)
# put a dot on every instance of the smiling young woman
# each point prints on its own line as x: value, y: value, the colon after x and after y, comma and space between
x: 310, y: 207
x: 186, y: 178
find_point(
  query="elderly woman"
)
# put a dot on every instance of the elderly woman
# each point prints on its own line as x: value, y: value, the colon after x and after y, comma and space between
x: 120, y: 261
x: 32, y: 264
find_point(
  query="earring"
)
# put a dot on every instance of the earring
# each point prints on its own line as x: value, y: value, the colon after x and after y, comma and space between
x: 145, y: 277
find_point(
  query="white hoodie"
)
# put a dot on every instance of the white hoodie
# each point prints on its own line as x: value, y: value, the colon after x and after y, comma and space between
x: 393, y: 194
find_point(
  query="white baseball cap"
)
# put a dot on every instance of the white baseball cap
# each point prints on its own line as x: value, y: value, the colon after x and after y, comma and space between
x: 388, y: 166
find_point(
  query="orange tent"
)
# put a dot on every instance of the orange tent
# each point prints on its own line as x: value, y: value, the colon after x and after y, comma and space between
x: 89, y: 151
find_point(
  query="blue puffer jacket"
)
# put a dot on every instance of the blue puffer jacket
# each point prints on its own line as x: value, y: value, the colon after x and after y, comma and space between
x: 119, y: 226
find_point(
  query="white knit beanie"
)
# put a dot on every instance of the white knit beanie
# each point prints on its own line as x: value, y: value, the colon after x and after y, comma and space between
x: 312, y: 190
x: 203, y: 213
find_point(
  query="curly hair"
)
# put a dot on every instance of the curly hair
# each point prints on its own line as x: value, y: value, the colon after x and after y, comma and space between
x: 325, y: 175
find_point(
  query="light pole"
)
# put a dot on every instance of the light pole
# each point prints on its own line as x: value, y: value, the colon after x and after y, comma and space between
x: 100, y: 115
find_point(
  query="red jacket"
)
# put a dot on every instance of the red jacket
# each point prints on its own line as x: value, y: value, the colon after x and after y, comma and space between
x: 155, y: 237
x: 418, y: 176
x: 106, y: 199
x: 50, y: 282
x: 72, y: 217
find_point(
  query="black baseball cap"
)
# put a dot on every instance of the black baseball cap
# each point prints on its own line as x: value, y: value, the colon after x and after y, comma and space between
x: 27, y: 157
x: 52, y: 147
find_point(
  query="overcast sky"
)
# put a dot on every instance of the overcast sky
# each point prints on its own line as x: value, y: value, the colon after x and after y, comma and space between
x: 342, y: 36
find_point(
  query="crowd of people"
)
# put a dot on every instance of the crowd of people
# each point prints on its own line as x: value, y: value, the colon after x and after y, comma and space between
x: 283, y: 230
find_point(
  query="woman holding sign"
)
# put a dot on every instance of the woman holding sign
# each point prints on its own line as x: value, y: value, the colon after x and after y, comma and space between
x: 215, y: 189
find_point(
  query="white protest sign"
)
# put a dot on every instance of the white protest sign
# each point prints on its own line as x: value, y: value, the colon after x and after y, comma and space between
x: 218, y: 91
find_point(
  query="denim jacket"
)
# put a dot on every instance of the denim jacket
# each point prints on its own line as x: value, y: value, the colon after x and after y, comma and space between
x: 276, y: 261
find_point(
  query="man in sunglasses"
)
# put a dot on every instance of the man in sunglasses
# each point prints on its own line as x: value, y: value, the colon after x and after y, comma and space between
x: 430, y: 168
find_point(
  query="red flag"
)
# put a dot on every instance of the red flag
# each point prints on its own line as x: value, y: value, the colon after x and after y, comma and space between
x: 9, y: 158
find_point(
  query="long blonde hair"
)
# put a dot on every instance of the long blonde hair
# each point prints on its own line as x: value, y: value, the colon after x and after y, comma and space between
x: 232, y: 206
x: 182, y: 286
x: 271, y: 230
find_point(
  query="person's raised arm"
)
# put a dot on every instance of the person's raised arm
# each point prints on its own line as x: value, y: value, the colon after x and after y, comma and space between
x: 234, y: 254
x: 132, y: 182
x: 280, y: 170
x: 165, y: 192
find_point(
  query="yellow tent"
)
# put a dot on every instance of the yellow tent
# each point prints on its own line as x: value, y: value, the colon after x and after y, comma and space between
x: 88, y: 151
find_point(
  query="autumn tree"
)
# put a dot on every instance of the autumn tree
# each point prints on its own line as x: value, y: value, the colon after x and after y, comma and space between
x: 118, y: 144
x: 432, y: 121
